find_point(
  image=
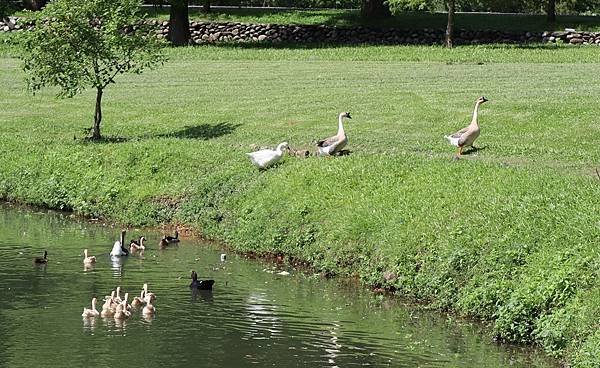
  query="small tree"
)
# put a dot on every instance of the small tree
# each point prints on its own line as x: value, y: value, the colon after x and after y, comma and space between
x: 79, y: 44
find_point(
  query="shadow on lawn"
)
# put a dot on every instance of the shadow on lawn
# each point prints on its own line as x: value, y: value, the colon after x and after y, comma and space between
x: 473, y: 150
x: 203, y: 131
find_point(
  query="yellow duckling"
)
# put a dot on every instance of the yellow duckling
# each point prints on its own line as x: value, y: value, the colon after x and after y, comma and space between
x: 122, y: 312
x: 148, y: 297
x: 149, y: 309
x: 138, y: 301
x: 89, y: 313
x: 88, y: 260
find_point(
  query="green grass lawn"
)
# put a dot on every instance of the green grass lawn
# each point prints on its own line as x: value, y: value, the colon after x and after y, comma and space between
x: 408, y: 20
x: 508, y: 234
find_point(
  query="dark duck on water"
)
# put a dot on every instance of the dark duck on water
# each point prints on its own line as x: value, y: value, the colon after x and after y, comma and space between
x: 201, y: 284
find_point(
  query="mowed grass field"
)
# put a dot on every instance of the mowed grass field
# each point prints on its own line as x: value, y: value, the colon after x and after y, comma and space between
x: 508, y: 234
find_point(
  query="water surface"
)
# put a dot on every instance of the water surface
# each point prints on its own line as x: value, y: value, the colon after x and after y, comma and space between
x: 253, y: 317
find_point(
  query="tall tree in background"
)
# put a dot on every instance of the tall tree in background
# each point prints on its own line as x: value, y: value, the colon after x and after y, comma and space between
x: 551, y: 10
x: 375, y: 9
x: 179, y: 23
x: 34, y: 4
x: 86, y: 44
x: 206, y: 6
x: 450, y: 26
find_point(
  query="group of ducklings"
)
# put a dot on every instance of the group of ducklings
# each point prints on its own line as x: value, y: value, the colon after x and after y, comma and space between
x: 333, y: 145
x: 119, y: 309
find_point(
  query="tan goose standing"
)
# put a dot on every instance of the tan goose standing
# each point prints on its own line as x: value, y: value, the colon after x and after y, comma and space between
x: 333, y: 145
x: 466, y: 136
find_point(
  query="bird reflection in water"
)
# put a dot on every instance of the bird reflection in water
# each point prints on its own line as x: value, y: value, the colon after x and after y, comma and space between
x: 204, y: 295
x: 116, y: 264
x: 89, y: 324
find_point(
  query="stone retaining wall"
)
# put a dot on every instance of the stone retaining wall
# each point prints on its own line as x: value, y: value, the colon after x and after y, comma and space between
x: 209, y: 32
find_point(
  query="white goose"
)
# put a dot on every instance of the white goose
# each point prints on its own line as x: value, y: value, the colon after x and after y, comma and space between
x: 332, y: 145
x: 267, y: 157
x: 89, y: 313
x: 467, y: 135
x: 119, y: 247
x: 88, y: 260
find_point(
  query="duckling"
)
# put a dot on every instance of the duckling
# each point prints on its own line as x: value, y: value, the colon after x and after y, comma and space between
x: 109, y: 307
x: 117, y: 299
x: 163, y: 243
x: 267, y: 157
x: 332, y: 145
x: 41, y: 260
x: 119, y: 246
x: 148, y: 297
x: 127, y: 305
x: 135, y: 245
x: 173, y: 239
x: 88, y: 260
x: 148, y: 309
x: 466, y: 136
x: 88, y: 313
x: 122, y: 312
x: 201, y: 284
x: 138, y: 301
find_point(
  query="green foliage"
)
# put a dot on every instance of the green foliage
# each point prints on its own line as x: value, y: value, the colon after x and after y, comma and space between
x: 87, y: 44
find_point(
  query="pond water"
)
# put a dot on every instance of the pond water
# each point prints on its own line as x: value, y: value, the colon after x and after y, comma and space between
x: 253, y: 317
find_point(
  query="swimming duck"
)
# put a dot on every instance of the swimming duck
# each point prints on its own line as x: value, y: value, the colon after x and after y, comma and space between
x: 109, y: 307
x: 173, y: 239
x: 163, y: 243
x: 466, y: 136
x: 267, y: 157
x: 201, y: 284
x: 86, y: 259
x: 119, y: 247
x: 88, y: 313
x: 122, y: 312
x: 148, y: 309
x: 41, y: 260
x: 135, y: 245
x: 148, y: 297
x: 333, y: 145
x: 138, y: 301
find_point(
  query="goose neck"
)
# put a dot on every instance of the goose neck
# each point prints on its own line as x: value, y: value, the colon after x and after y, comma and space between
x: 475, y: 113
x: 340, y: 124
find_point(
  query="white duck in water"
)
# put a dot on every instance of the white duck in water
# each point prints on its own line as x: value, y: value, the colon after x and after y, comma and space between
x: 119, y: 248
x: 88, y: 313
x: 332, y: 145
x: 466, y: 136
x: 267, y: 157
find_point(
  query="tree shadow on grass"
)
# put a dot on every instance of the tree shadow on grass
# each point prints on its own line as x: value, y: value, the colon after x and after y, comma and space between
x: 203, y: 131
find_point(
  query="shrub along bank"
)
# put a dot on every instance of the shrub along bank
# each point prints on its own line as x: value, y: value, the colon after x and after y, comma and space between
x: 508, y: 234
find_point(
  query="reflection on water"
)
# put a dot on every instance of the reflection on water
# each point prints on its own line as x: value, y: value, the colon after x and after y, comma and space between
x: 252, y: 317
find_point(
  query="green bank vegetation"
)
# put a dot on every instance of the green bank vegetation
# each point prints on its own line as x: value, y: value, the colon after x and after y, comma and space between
x: 508, y: 234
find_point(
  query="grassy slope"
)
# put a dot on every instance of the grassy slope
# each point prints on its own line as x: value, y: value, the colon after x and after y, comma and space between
x: 509, y: 234
x: 409, y: 20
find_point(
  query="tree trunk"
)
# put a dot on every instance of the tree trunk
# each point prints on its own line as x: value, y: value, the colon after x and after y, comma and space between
x: 450, y: 26
x: 551, y: 10
x: 375, y: 9
x: 206, y: 6
x: 34, y: 4
x: 97, y: 116
x: 179, y: 23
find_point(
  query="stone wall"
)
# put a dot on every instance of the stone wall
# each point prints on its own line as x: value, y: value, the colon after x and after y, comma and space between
x: 209, y: 32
